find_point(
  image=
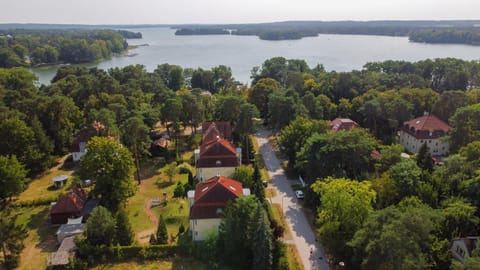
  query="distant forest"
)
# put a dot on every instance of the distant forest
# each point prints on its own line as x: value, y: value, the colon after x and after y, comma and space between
x: 33, y: 47
x: 457, y: 32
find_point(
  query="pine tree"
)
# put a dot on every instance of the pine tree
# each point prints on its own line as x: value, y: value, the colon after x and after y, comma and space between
x: 262, y: 237
x: 162, y: 234
x: 257, y: 188
x: 124, y: 228
x: 424, y: 158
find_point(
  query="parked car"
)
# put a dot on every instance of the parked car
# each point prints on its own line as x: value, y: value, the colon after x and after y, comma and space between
x: 299, y: 194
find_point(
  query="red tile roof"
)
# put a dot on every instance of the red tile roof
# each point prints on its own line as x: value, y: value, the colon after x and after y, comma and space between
x: 213, y: 195
x: 426, y: 126
x: 342, y: 124
x: 71, y: 203
x: 211, y: 130
x: 219, y: 153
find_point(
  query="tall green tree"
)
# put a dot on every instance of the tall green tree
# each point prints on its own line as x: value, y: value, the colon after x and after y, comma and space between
x: 13, y: 177
x: 341, y: 153
x: 17, y: 138
x: 257, y: 187
x: 424, y: 158
x: 345, y: 205
x: 407, y: 178
x: 235, y: 232
x: 294, y: 136
x: 260, y: 92
x: 11, y: 238
x: 162, y: 234
x: 61, y: 117
x: 136, y: 137
x: 396, y: 237
x: 100, y: 228
x: 465, y: 126
x: 124, y: 232
x: 110, y: 165
x: 262, y: 238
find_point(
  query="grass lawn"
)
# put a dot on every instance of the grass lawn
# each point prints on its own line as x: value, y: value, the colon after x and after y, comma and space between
x: 278, y: 215
x: 41, y: 238
x: 179, y: 263
x: 294, y: 260
x: 144, y: 219
x: 270, y: 192
x: 41, y: 187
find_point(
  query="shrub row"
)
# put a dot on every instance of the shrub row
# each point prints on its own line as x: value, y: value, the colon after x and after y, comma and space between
x: 92, y: 255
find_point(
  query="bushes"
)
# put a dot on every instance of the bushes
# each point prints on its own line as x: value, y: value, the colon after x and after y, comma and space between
x: 36, y: 202
x: 100, y: 254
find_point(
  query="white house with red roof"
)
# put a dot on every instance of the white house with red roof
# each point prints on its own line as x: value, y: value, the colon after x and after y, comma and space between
x: 217, y: 155
x: 208, y: 201
x: 425, y: 129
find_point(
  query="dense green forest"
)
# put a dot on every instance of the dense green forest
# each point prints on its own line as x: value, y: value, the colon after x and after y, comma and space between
x: 30, y: 47
x: 365, y: 206
x: 459, y: 32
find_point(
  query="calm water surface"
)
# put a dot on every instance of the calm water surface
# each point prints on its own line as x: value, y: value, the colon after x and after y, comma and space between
x: 241, y: 53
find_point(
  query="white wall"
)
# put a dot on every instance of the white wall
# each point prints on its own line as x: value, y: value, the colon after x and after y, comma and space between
x: 438, y: 147
x: 200, y: 228
x: 207, y: 173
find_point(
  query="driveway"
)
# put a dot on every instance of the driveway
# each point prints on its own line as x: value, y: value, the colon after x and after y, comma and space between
x: 311, y: 252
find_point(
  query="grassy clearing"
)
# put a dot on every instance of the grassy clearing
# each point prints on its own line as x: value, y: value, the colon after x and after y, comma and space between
x: 175, y: 212
x: 41, y: 238
x: 42, y: 186
x: 293, y: 256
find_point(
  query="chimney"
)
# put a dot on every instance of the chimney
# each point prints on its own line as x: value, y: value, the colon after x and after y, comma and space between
x: 239, y: 155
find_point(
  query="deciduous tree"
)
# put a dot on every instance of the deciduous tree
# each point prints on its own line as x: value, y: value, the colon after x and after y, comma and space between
x: 110, y: 165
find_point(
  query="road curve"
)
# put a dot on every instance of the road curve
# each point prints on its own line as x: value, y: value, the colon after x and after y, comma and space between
x: 311, y: 252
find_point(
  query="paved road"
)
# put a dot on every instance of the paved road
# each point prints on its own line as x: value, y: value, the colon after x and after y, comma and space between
x: 311, y: 252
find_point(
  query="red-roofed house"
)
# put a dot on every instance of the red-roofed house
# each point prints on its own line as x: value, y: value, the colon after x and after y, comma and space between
x: 425, y: 129
x: 208, y: 202
x: 342, y: 124
x: 72, y: 205
x: 217, y: 155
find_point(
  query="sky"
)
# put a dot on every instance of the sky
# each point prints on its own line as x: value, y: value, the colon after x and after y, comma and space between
x: 230, y: 11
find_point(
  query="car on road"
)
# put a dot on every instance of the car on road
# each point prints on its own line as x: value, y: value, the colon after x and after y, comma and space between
x: 299, y: 194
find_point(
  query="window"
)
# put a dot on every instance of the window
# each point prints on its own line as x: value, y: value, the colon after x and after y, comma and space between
x: 436, y: 144
x: 429, y: 141
x: 421, y: 141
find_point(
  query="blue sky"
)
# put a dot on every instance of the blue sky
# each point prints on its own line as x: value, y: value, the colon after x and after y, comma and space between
x: 230, y: 11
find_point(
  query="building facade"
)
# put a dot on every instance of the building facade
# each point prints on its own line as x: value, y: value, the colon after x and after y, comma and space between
x: 427, y: 129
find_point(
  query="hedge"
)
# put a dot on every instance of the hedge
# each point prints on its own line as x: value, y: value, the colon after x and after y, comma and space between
x: 101, y: 254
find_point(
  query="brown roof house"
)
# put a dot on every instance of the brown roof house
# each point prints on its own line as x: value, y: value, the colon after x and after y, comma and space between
x: 425, y: 129
x: 342, y: 124
x: 216, y: 156
x: 208, y: 201
x: 73, y: 205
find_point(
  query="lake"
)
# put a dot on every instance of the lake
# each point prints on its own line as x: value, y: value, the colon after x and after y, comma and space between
x: 241, y: 53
